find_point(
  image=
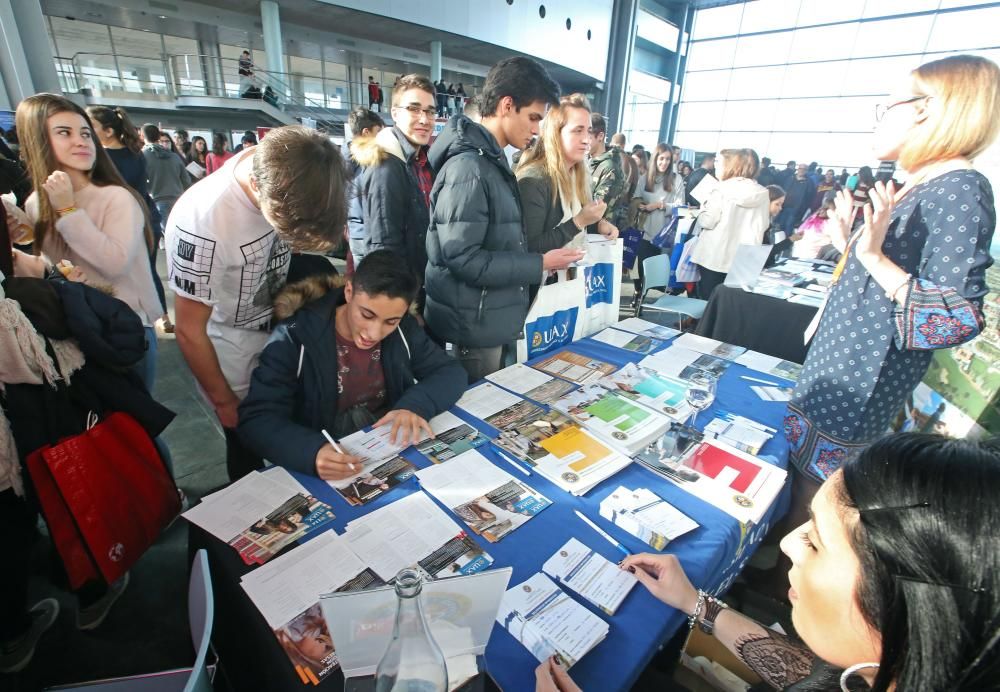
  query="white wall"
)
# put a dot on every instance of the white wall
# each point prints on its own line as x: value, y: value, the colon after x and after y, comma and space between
x: 516, y: 26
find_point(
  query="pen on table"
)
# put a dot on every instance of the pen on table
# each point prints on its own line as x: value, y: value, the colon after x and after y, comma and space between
x: 336, y: 447
x: 754, y: 379
x: 513, y: 463
x: 603, y: 534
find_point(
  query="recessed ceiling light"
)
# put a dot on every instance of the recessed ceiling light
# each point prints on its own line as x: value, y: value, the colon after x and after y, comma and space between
x: 163, y: 16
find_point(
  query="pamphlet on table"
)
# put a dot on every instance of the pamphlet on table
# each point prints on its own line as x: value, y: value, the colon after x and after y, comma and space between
x: 773, y: 393
x: 615, y: 418
x: 530, y: 383
x: 628, y: 341
x: 575, y: 367
x: 591, y: 575
x: 414, y: 532
x: 489, y: 500
x: 261, y: 514
x: 711, y: 347
x: 485, y: 400
x: 770, y: 365
x: 452, y: 436
x: 646, y: 516
x: 683, y: 363
x: 577, y: 461
x: 742, y: 433
x: 547, y: 621
x: 661, y: 393
x: 642, y: 327
x: 522, y: 439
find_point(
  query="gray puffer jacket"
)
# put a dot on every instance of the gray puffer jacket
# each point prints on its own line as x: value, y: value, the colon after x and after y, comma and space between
x: 479, y: 268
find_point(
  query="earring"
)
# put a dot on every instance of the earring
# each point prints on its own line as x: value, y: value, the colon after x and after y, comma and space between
x: 845, y: 676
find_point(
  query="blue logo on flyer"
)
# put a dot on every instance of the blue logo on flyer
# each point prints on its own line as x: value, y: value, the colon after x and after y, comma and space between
x: 551, y: 332
x: 600, y: 279
x: 477, y: 564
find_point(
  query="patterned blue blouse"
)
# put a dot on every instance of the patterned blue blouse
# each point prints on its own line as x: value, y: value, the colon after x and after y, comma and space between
x: 868, y: 353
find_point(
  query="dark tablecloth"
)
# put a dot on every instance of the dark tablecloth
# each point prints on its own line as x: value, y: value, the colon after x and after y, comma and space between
x: 762, y: 323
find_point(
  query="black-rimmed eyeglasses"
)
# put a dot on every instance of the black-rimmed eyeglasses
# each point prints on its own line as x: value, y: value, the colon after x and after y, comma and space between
x: 416, y: 110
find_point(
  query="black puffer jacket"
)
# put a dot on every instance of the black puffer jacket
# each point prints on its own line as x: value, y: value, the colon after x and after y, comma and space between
x: 478, y: 265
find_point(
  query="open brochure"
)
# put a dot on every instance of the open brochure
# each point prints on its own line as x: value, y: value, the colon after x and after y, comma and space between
x: 646, y: 516
x: 489, y: 500
x: 452, y: 436
x: 548, y: 622
x: 382, y: 469
x: 591, y: 575
x: 260, y: 514
x: 711, y: 347
x: 642, y: 327
x: 414, y: 532
x: 742, y: 433
x: 629, y: 341
x: 530, y: 383
x: 615, y: 418
x: 522, y: 439
x: 575, y: 367
x: 683, y: 363
x: 770, y: 365
x: 486, y: 400
x: 659, y: 392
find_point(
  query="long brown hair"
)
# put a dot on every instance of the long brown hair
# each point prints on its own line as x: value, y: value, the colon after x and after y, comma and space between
x: 547, y: 154
x: 32, y: 119
x: 652, y: 170
x: 117, y: 119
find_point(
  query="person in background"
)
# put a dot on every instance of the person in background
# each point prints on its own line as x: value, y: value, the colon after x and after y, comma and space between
x: 684, y: 168
x: 860, y: 187
x: 826, y: 185
x: 441, y: 98
x: 662, y: 190
x: 219, y: 155
x: 607, y: 178
x: 707, y: 167
x: 374, y: 94
x: 736, y: 213
x: 249, y: 139
x: 628, y: 166
x: 479, y: 271
x: 459, y: 98
x: 396, y: 186
x: 199, y: 154
x: 767, y: 175
x: 786, y: 176
x: 167, y: 144
x: 269, y: 96
x: 639, y: 156
x: 814, y: 172
x: 245, y: 72
x: 229, y: 241
x: 898, y: 556
x: 5, y: 150
x: 799, y: 194
x: 553, y: 181
x: 813, y: 239
x: 347, y: 356
x: 781, y: 241
x: 843, y: 177
x: 364, y: 125
x: 166, y: 174
x: 183, y: 143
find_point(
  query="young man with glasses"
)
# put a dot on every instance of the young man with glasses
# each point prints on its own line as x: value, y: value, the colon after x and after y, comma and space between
x: 396, y: 186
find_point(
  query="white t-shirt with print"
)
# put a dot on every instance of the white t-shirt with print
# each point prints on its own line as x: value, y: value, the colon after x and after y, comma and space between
x: 221, y: 252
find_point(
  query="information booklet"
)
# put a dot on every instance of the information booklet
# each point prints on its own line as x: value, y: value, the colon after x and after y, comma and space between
x: 260, y: 514
x: 575, y: 367
x: 615, y: 418
x: 769, y: 365
x: 489, y: 500
x: 637, y: 325
x: 414, y: 532
x: 548, y: 622
x: 742, y: 433
x: 711, y: 347
x: 683, y: 363
x: 739, y: 484
x: 659, y: 392
x: 511, y: 415
x: 590, y: 574
x: 382, y: 469
x: 530, y: 383
x: 452, y: 436
x: 286, y: 592
x: 577, y: 461
x: 629, y: 341
x: 485, y: 400
x: 646, y: 516
x: 522, y: 439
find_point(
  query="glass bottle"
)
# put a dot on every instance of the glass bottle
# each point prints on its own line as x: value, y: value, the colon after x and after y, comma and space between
x: 412, y: 662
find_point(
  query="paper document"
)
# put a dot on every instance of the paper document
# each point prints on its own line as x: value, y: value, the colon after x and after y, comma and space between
x: 704, y: 188
x: 485, y: 400
x: 547, y: 621
x: 575, y: 367
x: 646, y: 516
x: 628, y: 341
x: 637, y: 325
x: 682, y: 363
x: 522, y: 439
x: 530, y: 383
x: 452, y: 436
x: 770, y: 365
x: 741, y: 433
x: 661, y: 393
x: 577, y: 461
x: 615, y: 418
x: 773, y: 393
x: 489, y: 500
x: 590, y: 574
x: 708, y: 346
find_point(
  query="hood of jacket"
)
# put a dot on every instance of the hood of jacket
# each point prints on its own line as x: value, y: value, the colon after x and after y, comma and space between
x: 371, y: 151
x: 745, y: 192
x: 297, y: 295
x: 158, y: 151
x: 461, y: 135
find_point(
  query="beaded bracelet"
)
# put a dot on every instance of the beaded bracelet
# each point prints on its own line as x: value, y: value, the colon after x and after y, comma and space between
x: 62, y: 212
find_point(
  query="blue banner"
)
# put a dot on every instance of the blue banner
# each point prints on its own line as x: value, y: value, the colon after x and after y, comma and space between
x: 600, y: 283
x: 551, y: 332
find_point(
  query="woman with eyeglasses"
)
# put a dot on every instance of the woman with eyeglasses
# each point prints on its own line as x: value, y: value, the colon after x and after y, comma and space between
x: 913, y: 273
x: 895, y: 578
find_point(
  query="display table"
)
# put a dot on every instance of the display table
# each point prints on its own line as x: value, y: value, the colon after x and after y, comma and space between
x: 713, y: 555
x: 762, y: 323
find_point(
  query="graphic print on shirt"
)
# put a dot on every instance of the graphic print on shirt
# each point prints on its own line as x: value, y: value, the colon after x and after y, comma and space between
x: 191, y: 266
x: 264, y: 270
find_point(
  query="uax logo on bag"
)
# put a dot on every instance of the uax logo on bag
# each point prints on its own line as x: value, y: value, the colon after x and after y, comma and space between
x: 599, y: 279
x: 550, y: 332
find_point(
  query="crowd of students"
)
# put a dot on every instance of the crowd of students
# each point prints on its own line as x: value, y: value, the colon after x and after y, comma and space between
x: 448, y: 243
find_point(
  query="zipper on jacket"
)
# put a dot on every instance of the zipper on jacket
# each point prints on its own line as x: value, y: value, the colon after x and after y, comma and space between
x: 482, y: 305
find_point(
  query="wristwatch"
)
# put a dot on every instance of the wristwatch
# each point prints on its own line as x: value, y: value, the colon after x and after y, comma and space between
x: 713, y: 607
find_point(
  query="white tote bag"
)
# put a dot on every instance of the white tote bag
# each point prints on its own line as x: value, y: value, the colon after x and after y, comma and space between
x: 555, y: 318
x: 603, y: 277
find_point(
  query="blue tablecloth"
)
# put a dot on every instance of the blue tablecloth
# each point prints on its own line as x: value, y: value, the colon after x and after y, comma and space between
x: 712, y: 555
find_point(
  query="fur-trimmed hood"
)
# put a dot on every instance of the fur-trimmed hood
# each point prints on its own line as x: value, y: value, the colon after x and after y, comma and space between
x: 371, y: 151
x: 295, y: 296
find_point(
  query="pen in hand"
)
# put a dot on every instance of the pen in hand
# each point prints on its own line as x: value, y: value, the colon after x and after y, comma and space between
x: 336, y: 447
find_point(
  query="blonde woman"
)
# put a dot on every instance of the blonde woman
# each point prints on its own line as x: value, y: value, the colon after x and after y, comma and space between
x: 736, y: 213
x: 554, y: 181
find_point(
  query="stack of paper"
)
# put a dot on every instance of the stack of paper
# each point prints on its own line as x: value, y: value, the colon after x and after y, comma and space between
x: 414, y: 532
x: 615, y: 418
x: 742, y: 433
x: 773, y: 393
x: 531, y: 383
x: 681, y: 362
x: 381, y: 466
x: 646, y: 516
x: 770, y: 365
x: 286, y: 592
x: 575, y: 367
x: 452, y: 436
x: 658, y: 392
x: 590, y: 574
x: 548, y: 622
x: 260, y: 514
x: 522, y: 439
x: 637, y: 325
x: 711, y: 347
x: 629, y: 341
x: 496, y: 406
x: 490, y: 501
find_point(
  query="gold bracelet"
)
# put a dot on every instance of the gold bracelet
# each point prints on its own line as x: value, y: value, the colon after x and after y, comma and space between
x: 62, y: 212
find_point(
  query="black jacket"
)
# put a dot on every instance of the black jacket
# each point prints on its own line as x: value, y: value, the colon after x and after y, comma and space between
x: 395, y: 214
x: 289, y: 404
x: 543, y: 225
x: 478, y: 265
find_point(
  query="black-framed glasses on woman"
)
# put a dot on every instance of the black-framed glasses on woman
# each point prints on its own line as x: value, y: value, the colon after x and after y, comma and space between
x: 881, y: 109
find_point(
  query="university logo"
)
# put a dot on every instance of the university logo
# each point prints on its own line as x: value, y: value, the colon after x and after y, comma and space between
x: 551, y: 332
x: 599, y: 278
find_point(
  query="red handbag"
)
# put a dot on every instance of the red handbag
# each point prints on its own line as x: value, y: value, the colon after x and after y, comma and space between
x: 106, y: 496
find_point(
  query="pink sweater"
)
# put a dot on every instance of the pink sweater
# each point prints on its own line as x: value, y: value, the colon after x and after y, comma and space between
x: 104, y: 237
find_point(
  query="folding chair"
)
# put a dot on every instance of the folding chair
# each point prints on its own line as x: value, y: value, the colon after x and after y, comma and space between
x: 656, y: 274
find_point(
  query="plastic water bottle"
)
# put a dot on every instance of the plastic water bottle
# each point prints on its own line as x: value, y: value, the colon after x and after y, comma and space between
x: 413, y: 662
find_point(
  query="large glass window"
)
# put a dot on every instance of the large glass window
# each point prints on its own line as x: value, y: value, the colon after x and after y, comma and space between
x: 644, y: 108
x: 141, y: 60
x: 89, y: 60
